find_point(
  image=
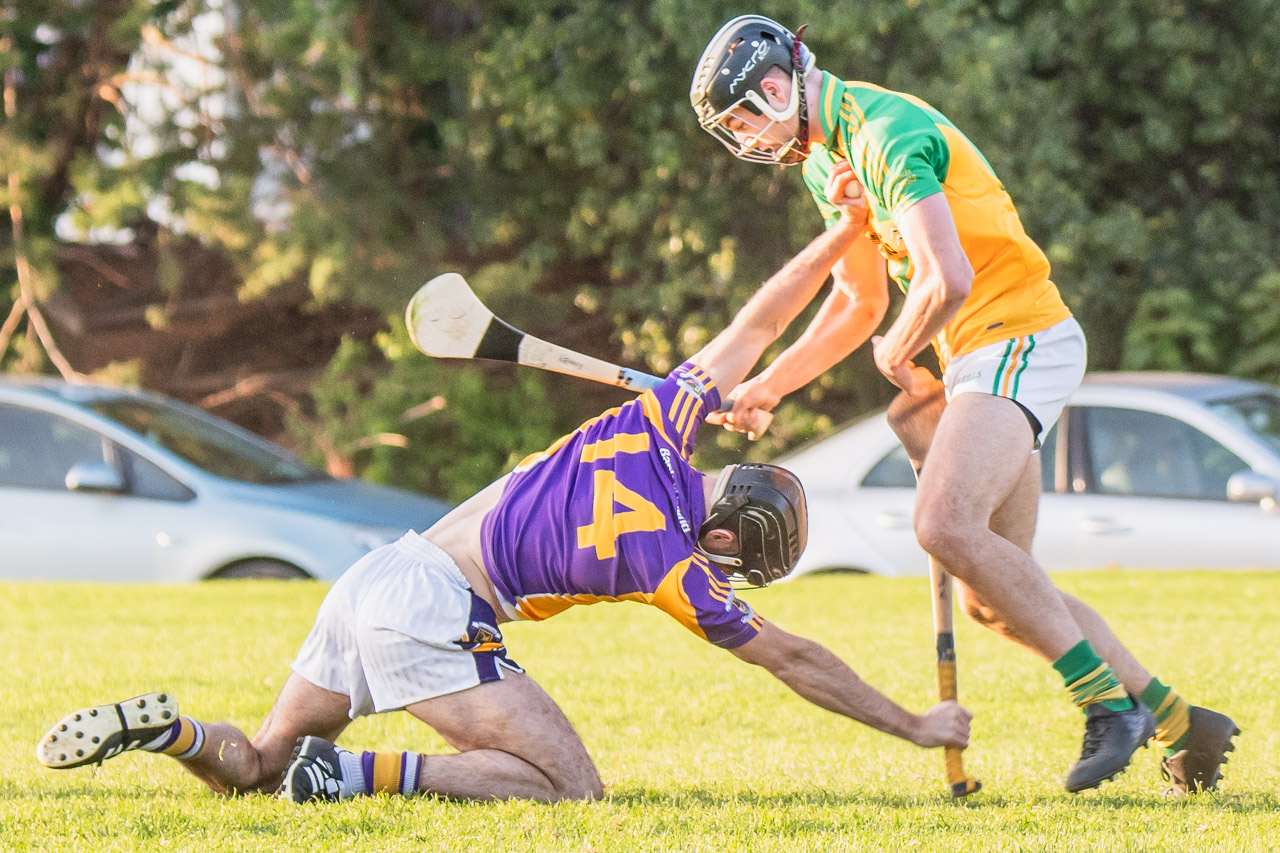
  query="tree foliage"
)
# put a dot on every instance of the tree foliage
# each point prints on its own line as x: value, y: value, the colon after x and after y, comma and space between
x: 547, y: 151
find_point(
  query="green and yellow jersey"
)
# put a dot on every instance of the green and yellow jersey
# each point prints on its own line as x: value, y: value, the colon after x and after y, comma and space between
x: 903, y: 150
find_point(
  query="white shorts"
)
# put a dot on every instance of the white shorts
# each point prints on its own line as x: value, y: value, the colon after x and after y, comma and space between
x: 1039, y: 372
x: 400, y: 626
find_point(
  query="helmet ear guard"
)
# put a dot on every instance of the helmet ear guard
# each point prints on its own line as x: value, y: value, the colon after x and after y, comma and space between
x: 764, y: 507
x: 729, y: 76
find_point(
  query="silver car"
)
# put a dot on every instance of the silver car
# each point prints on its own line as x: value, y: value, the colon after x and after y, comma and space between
x: 107, y: 484
x: 1144, y: 470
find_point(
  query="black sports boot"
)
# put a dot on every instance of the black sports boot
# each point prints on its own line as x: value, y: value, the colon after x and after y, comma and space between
x: 1110, y: 739
x: 1197, y: 766
x: 316, y: 772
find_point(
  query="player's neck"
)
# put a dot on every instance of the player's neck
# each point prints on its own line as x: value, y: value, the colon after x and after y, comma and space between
x: 813, y: 96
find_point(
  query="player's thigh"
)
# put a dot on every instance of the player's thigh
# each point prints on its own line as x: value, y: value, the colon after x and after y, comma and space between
x: 1015, y: 518
x: 514, y: 715
x: 977, y: 457
x: 302, y: 708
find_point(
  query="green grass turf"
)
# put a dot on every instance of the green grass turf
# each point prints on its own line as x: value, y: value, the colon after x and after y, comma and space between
x: 697, y: 750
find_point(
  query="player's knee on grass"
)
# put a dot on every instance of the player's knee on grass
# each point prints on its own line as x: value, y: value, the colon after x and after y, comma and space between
x: 582, y: 784
x: 516, y: 716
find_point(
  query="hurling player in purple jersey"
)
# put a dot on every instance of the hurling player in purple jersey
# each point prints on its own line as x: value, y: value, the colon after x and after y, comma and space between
x: 610, y: 512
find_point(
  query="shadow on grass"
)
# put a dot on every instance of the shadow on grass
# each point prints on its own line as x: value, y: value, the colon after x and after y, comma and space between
x: 1247, y: 802
x: 1241, y: 803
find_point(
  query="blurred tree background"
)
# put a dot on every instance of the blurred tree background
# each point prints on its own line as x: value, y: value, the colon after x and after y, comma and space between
x: 232, y: 201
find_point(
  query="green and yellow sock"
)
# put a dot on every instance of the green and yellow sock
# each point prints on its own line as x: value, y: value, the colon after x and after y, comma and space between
x: 1173, y: 715
x: 1089, y: 680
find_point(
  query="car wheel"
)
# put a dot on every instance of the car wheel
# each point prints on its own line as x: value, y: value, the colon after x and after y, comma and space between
x: 261, y: 570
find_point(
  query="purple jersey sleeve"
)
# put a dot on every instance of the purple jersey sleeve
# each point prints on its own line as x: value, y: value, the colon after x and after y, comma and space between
x: 683, y: 401
x: 697, y: 596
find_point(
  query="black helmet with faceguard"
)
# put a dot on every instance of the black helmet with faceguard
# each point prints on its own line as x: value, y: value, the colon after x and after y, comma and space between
x: 728, y: 79
x: 764, y: 507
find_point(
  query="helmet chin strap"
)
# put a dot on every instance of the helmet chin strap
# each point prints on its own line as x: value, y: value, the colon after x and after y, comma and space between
x: 797, y: 67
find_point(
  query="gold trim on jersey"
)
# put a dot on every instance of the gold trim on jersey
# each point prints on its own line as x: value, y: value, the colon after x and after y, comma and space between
x: 534, y: 458
x: 543, y: 605
x: 653, y: 413
x: 623, y: 442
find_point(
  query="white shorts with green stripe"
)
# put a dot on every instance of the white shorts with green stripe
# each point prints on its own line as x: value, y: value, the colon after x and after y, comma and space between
x: 1039, y: 372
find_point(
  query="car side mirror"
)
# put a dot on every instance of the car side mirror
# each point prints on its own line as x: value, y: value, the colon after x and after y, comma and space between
x: 1251, y: 487
x: 94, y: 477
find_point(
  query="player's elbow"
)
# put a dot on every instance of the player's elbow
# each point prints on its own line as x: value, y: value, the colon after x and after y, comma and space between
x: 955, y: 284
x: 873, y: 308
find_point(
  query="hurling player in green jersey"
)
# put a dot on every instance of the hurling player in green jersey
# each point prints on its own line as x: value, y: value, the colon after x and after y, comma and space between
x: 943, y: 228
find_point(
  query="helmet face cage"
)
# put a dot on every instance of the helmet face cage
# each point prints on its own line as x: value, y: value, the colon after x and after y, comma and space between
x: 726, y: 89
x: 764, y: 506
x: 755, y: 142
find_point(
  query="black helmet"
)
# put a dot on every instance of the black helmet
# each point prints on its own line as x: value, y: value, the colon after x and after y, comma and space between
x: 764, y: 506
x: 729, y: 75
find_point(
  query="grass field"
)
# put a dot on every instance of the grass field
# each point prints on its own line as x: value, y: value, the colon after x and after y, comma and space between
x: 698, y: 751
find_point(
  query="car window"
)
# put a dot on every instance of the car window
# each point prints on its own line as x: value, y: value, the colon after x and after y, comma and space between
x: 1146, y: 454
x: 1258, y: 413
x: 207, y: 443
x: 146, y: 480
x: 37, y: 448
x: 1049, y: 460
x: 893, y: 471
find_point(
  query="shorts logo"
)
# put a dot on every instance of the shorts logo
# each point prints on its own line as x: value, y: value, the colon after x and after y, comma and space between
x: 970, y: 377
x: 480, y: 637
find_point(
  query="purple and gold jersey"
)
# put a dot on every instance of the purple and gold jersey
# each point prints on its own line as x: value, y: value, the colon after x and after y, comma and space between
x: 611, y: 512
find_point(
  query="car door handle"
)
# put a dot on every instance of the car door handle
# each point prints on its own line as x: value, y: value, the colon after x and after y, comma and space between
x: 893, y: 520
x: 1104, y: 526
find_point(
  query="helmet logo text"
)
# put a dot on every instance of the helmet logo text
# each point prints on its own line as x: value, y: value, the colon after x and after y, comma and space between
x: 762, y: 50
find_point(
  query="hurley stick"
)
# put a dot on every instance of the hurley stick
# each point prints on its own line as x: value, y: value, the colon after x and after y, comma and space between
x: 447, y: 320
x: 914, y: 419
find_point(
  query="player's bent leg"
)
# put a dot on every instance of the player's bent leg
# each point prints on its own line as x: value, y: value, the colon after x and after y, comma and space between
x: 218, y: 754
x: 231, y: 763
x: 513, y: 741
x: 978, y: 459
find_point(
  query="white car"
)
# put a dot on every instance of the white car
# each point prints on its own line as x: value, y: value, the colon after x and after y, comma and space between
x: 1144, y: 470
x: 109, y: 484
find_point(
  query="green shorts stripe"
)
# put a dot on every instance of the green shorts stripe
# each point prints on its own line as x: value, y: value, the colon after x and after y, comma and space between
x: 995, y: 388
x: 1026, y: 359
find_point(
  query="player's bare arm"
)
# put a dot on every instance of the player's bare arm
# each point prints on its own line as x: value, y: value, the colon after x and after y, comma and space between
x: 732, y: 353
x: 819, y: 676
x: 845, y: 320
x: 939, y: 286
x: 852, y: 311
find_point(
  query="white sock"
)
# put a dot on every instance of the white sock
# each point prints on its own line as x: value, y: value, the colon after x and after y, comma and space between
x: 351, y: 766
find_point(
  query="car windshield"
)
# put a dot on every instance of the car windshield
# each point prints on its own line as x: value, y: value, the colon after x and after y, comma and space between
x: 206, y: 443
x: 1259, y: 413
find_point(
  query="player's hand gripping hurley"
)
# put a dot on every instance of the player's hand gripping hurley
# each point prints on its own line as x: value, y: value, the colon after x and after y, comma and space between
x: 447, y: 320
x: 914, y: 419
